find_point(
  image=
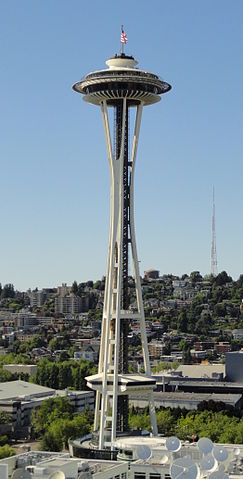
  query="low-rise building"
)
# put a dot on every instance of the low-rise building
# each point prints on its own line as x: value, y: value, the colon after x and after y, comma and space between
x: 198, y: 355
x: 184, y: 293
x: 186, y: 400
x: 222, y: 347
x: 89, y: 352
x: 20, y: 398
x: 30, y: 369
x: 25, y: 319
x: 40, y: 353
x: 156, y: 349
x: 47, y: 465
x: 237, y: 334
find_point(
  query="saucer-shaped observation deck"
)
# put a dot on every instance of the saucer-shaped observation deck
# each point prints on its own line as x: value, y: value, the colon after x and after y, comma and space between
x: 122, y: 79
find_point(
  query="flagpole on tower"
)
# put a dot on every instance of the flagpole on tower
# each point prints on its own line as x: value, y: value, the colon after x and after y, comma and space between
x: 122, y: 44
x: 123, y: 40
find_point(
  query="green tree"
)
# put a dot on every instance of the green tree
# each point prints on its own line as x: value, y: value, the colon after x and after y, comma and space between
x: 182, y: 322
x: 49, y: 411
x: 203, y: 324
x: 60, y: 430
x: 64, y: 374
x: 7, y: 376
x: 37, y: 342
x: 166, y: 422
x: 167, y: 348
x: 222, y: 279
x: 51, y: 441
x: 186, y: 353
x: 140, y: 421
x: 8, y: 291
x: 220, y: 309
x: 195, y: 277
x: 5, y: 417
x: 6, y: 451
x: 74, y: 288
x: 3, y: 440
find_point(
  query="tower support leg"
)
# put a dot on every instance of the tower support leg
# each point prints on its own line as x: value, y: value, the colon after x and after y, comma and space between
x: 113, y: 360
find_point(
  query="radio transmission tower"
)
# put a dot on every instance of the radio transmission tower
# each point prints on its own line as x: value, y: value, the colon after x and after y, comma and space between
x: 214, y: 265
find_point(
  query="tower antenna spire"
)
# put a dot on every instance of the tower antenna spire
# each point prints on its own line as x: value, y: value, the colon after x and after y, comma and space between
x: 214, y: 264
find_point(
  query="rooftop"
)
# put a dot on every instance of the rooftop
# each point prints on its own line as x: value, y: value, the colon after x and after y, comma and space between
x: 200, y: 370
x: 19, y: 389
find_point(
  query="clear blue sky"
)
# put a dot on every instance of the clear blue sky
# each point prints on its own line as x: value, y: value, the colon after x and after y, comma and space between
x: 54, y: 181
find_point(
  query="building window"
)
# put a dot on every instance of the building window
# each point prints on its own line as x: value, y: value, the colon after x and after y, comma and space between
x: 124, y: 475
x: 139, y: 475
x: 154, y: 476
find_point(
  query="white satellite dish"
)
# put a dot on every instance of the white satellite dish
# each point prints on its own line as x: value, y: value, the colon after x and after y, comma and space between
x: 184, y: 468
x: 220, y: 453
x: 164, y: 459
x: 173, y: 444
x: 57, y: 475
x: 218, y: 475
x: 21, y: 473
x: 143, y: 452
x: 205, y: 445
x: 208, y: 463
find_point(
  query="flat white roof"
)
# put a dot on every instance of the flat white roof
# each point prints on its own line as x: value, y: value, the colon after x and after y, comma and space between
x: 133, y: 441
x: 200, y: 370
x: 18, y: 389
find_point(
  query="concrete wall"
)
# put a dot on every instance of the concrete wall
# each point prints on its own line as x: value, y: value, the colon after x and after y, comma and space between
x: 234, y: 366
x: 3, y: 471
x: 21, y: 368
x: 10, y: 462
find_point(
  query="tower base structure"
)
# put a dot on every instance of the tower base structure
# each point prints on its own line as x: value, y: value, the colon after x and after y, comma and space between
x: 121, y: 87
x: 134, y: 384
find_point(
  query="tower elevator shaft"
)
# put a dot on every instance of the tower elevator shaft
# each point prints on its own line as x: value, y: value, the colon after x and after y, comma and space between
x: 123, y: 405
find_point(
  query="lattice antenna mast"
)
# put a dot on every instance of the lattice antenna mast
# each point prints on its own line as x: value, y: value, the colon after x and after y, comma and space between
x: 214, y: 264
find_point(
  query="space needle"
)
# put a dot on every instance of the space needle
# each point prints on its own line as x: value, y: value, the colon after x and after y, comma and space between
x: 121, y: 87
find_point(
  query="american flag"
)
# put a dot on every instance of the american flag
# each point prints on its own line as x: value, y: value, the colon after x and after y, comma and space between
x: 123, y: 37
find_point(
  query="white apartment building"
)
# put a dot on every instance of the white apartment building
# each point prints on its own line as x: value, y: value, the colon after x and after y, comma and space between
x: 71, y: 304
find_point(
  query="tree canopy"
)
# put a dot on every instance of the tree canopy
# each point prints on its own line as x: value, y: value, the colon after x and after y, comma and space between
x: 55, y: 422
x: 222, y: 426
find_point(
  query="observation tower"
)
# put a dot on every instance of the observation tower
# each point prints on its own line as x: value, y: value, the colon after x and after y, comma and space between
x: 120, y: 87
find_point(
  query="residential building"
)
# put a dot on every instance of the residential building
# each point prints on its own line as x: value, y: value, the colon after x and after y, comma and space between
x: 237, y: 334
x: 151, y: 274
x: 156, y: 349
x: 89, y: 352
x: 222, y: 347
x: 64, y: 290
x: 39, y: 297
x: 71, y: 304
